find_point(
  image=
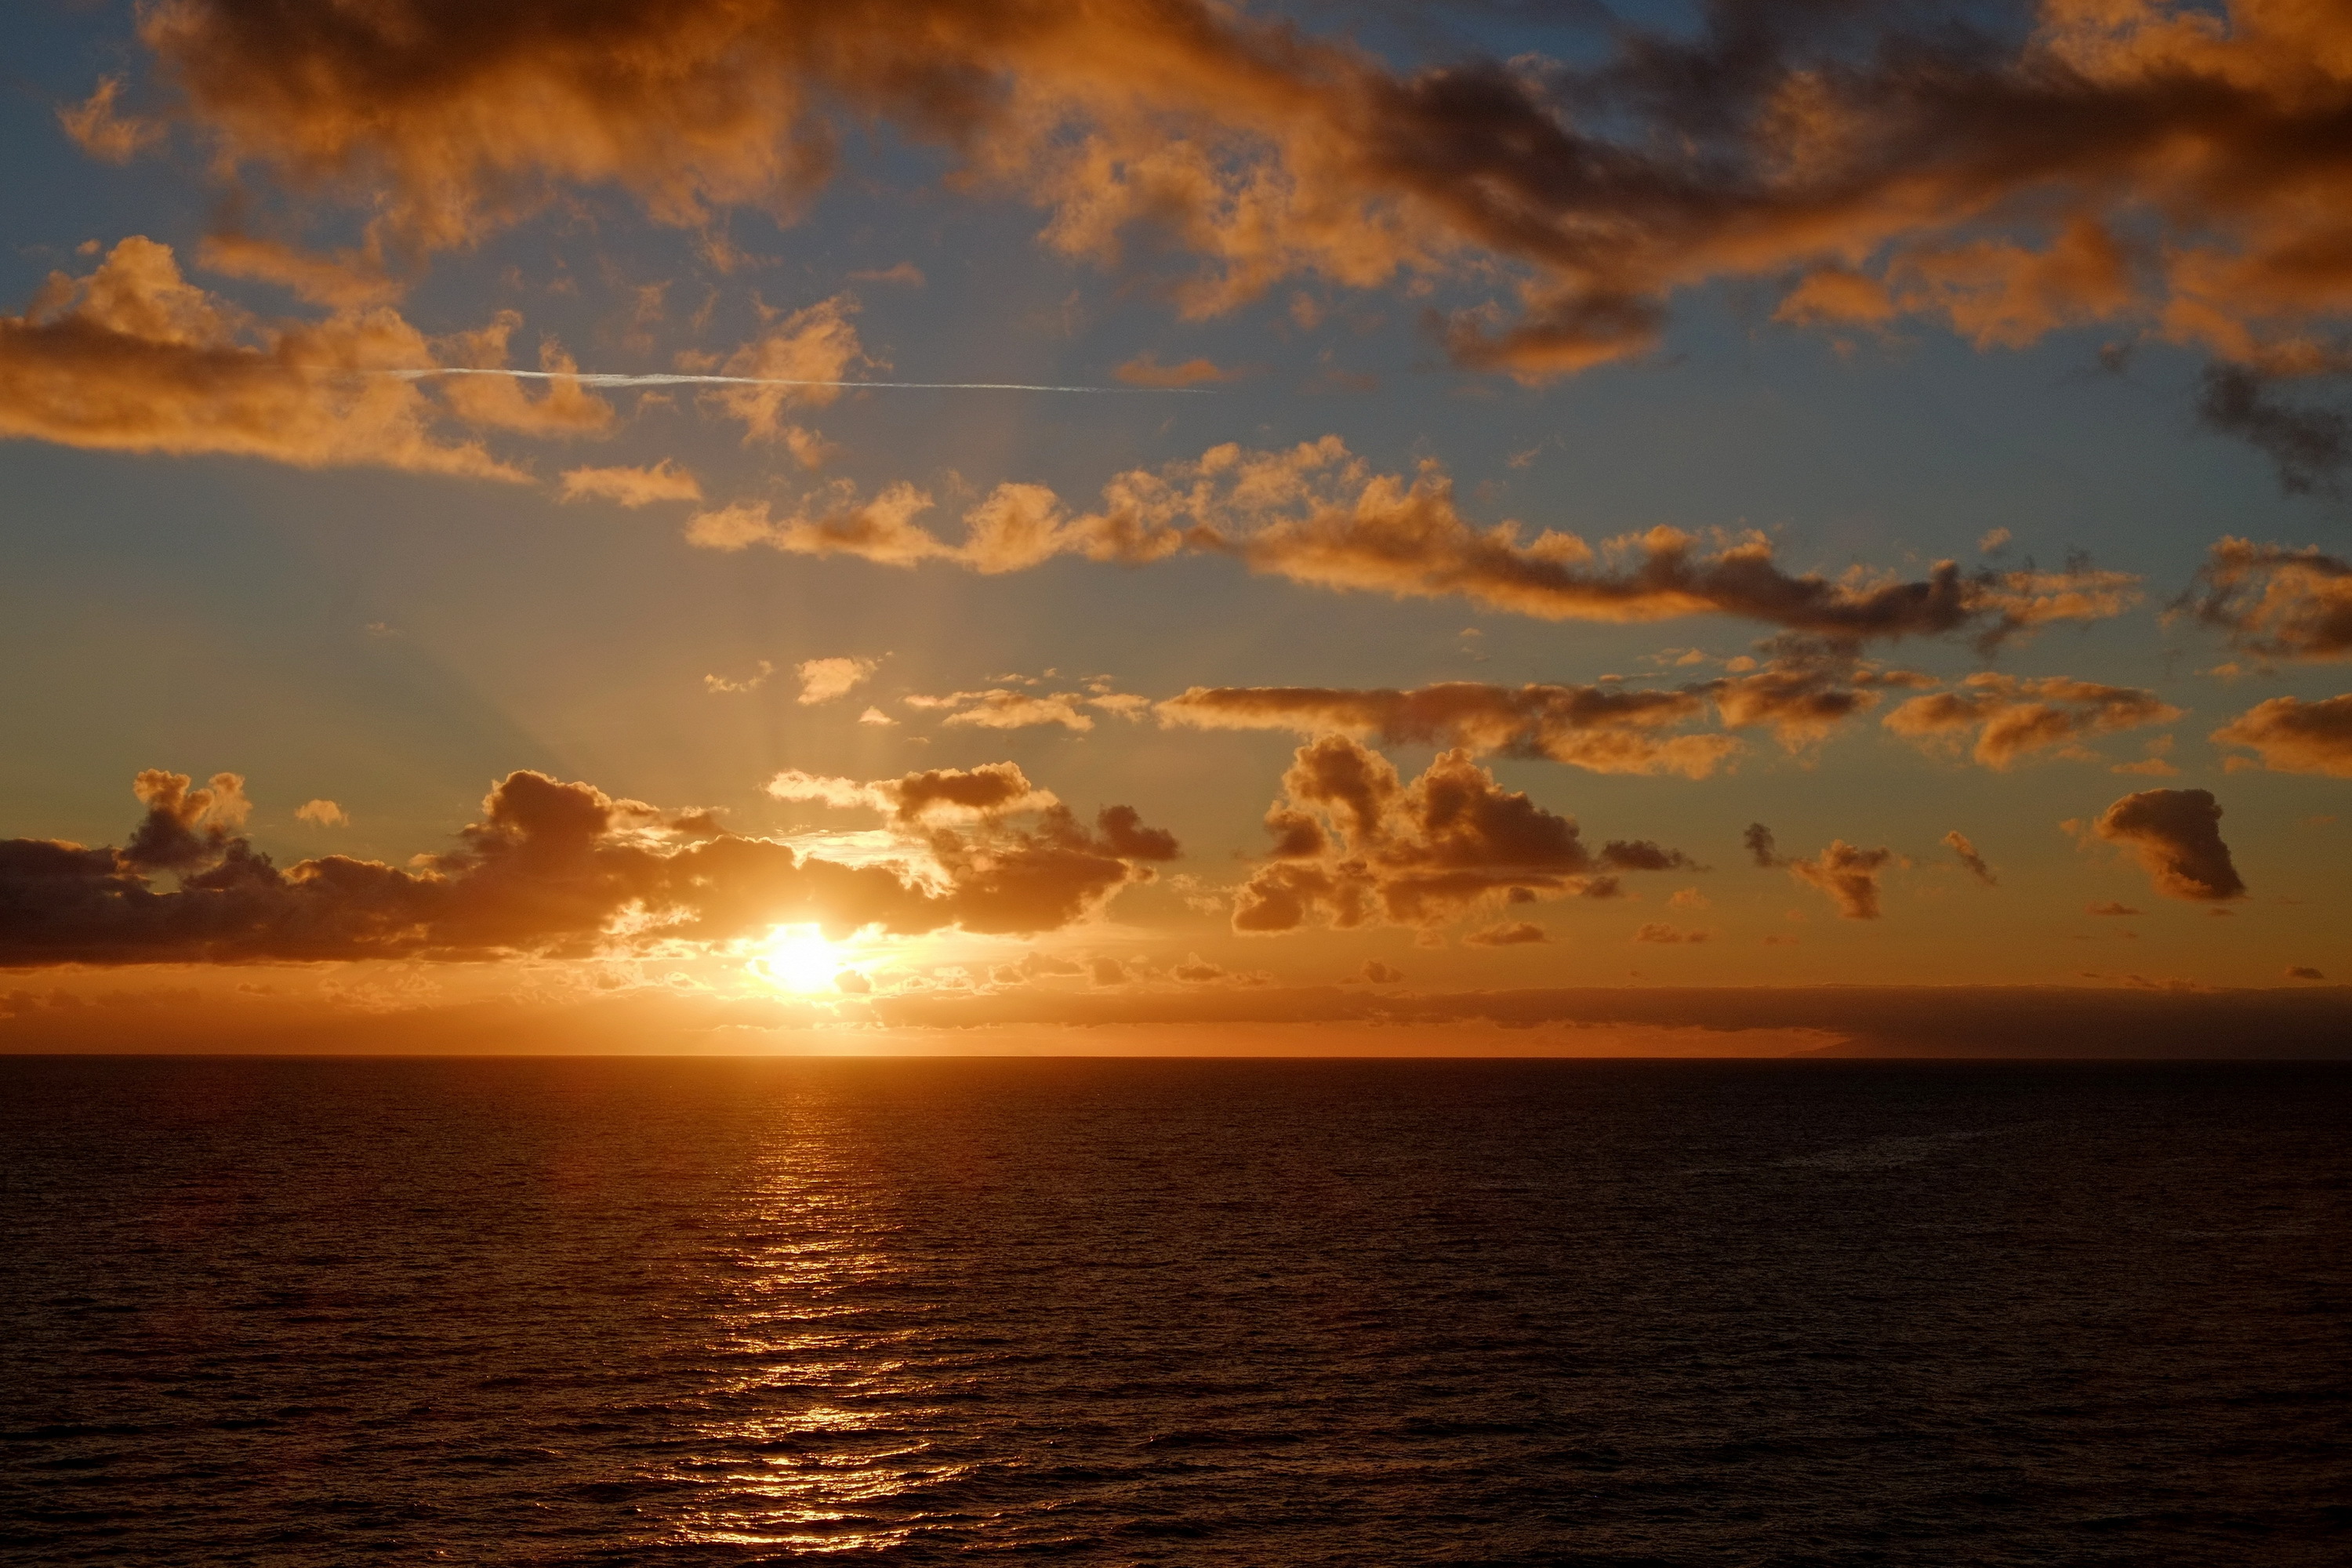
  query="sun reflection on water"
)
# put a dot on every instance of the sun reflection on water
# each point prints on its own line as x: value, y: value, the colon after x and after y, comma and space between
x: 805, y: 1432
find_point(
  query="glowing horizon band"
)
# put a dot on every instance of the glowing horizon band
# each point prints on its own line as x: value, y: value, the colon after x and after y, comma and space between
x: 675, y: 378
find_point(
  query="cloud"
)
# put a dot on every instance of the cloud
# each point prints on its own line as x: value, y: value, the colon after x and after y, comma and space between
x: 716, y: 684
x: 2309, y: 445
x: 630, y: 487
x: 2292, y: 736
x: 816, y: 344
x: 1603, y: 729
x: 322, y: 814
x: 1804, y: 692
x: 1143, y: 370
x: 2176, y: 834
x: 1660, y: 932
x: 104, y: 132
x: 133, y: 358
x: 558, y: 870
x: 1356, y: 846
x: 2110, y: 907
x: 1380, y: 974
x: 1316, y: 514
x: 2117, y: 161
x: 2303, y: 972
x: 2273, y: 601
x: 905, y: 272
x: 1003, y: 709
x: 1510, y: 933
x: 1966, y: 854
x: 2015, y: 718
x: 988, y: 791
x: 823, y: 679
x: 1846, y: 876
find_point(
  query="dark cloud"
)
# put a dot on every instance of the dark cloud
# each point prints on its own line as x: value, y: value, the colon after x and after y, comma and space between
x: 1966, y: 853
x: 2176, y: 834
x: 2309, y: 445
x: 551, y: 869
x: 1510, y: 933
x: 1355, y: 845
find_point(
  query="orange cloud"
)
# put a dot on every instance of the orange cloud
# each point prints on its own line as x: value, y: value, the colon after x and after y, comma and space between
x: 1603, y: 729
x: 2176, y: 834
x: 2014, y: 718
x: 630, y: 487
x: 1317, y: 514
x: 2292, y: 736
x: 133, y: 358
x: 823, y: 679
x: 1355, y: 845
x: 1756, y: 145
x: 1145, y: 371
x: 2275, y: 602
x: 1846, y: 876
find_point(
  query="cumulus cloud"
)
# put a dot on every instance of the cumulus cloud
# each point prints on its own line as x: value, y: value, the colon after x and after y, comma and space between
x: 2169, y: 168
x: 1661, y: 932
x: 1966, y: 854
x: 1355, y: 845
x: 134, y: 358
x: 2275, y: 602
x: 1380, y: 974
x: 2013, y: 718
x: 2292, y: 736
x: 823, y: 679
x: 1846, y: 876
x: 322, y: 814
x: 630, y: 487
x: 1603, y: 728
x: 1317, y: 514
x: 560, y: 870
x: 2110, y: 907
x: 2176, y: 834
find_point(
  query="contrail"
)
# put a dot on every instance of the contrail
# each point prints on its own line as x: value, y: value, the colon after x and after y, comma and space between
x: 612, y: 378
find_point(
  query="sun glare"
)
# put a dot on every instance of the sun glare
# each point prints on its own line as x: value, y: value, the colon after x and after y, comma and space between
x: 797, y: 959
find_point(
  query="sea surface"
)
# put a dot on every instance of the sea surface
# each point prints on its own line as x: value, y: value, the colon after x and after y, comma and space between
x: 1269, y: 1312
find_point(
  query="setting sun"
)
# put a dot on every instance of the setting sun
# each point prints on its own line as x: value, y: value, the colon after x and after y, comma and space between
x: 796, y: 958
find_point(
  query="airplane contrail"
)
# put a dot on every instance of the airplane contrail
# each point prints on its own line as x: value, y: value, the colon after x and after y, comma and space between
x: 667, y: 378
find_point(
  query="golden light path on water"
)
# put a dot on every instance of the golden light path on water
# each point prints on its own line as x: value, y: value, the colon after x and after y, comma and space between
x: 814, y: 1414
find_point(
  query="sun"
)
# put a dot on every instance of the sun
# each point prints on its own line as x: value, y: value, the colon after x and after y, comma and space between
x: 798, y: 959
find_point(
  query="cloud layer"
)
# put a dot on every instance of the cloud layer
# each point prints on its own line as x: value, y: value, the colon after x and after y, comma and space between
x: 561, y: 869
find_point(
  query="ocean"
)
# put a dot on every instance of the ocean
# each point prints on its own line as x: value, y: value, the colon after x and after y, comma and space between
x: 631, y: 1310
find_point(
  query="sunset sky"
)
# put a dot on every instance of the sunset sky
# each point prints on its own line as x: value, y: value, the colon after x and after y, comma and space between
x: 1486, y: 527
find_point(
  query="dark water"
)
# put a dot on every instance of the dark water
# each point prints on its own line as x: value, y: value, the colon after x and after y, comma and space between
x: 297, y: 1313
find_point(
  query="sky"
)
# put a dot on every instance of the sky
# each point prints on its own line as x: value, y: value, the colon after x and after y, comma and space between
x: 1143, y: 525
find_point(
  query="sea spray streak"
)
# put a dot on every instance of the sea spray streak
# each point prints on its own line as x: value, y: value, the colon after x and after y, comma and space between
x: 673, y: 378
